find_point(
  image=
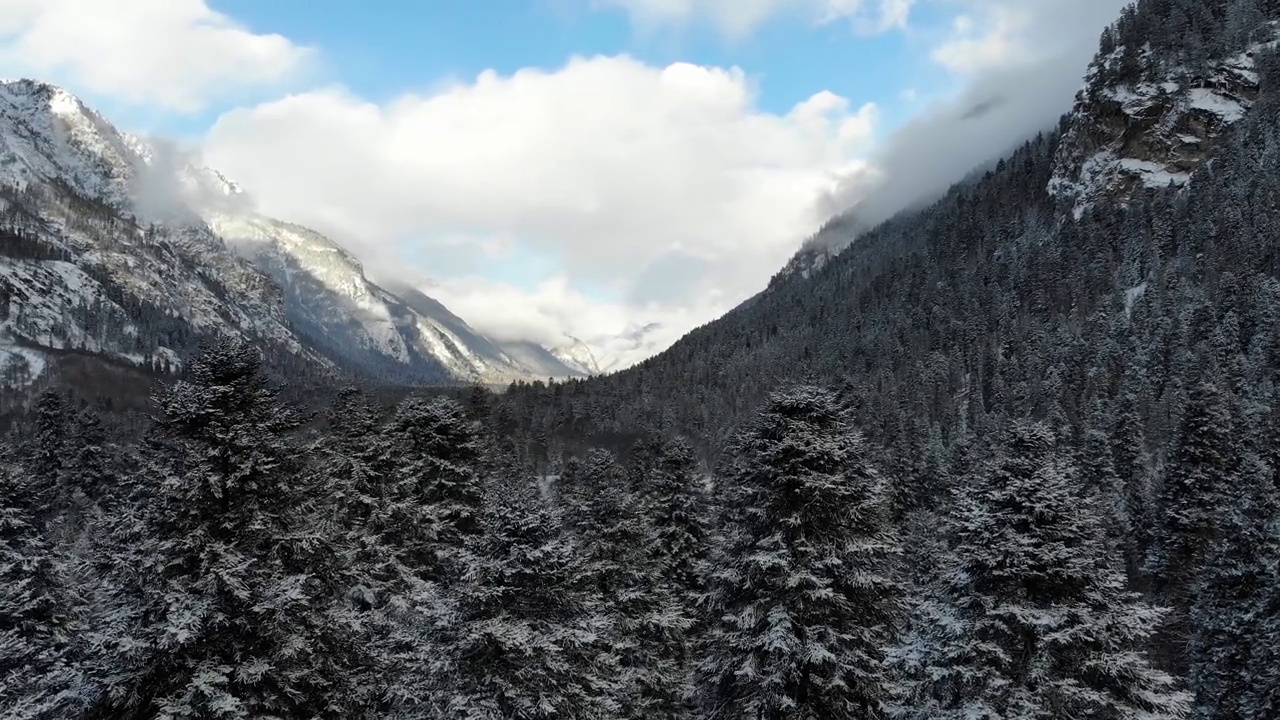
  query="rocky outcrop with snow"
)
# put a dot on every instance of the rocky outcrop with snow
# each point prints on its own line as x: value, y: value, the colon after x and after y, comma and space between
x: 1153, y: 130
x: 79, y: 271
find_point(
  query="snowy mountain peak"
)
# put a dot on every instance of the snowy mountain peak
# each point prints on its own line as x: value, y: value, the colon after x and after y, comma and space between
x: 577, y: 355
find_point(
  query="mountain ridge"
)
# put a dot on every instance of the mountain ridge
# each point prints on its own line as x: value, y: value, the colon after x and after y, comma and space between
x: 140, y: 222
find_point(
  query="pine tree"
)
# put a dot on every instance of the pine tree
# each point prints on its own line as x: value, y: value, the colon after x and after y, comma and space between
x: 1098, y: 476
x: 38, y: 654
x: 1262, y: 686
x: 47, y: 451
x: 1129, y: 460
x: 424, y: 520
x: 1206, y: 462
x: 228, y: 593
x: 1033, y: 621
x: 434, y: 491
x: 803, y: 593
x: 521, y: 641
x: 1239, y: 570
x: 90, y: 470
x: 613, y: 541
x: 675, y: 508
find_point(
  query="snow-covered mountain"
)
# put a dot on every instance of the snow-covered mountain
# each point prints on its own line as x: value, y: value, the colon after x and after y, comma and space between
x: 577, y: 355
x: 129, y: 249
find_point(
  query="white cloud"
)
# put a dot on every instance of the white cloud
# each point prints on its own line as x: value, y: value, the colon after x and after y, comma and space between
x: 739, y: 18
x: 970, y: 48
x: 989, y: 35
x: 1018, y: 65
x: 177, y: 54
x: 619, y: 334
x: 658, y: 193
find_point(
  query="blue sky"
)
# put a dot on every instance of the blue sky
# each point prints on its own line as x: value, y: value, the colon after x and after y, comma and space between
x: 383, y: 48
x: 571, y: 167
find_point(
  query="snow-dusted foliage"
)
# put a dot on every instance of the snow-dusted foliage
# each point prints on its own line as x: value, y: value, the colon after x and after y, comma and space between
x: 226, y: 586
x: 803, y: 593
x: 524, y: 639
x: 39, y: 677
x: 1060, y: 500
x: 1032, y: 619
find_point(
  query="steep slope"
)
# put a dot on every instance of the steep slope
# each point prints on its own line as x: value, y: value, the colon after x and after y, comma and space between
x: 1013, y: 294
x: 575, y: 356
x: 399, y: 334
x: 578, y: 356
x: 1144, y: 121
x: 79, y: 272
x: 123, y: 248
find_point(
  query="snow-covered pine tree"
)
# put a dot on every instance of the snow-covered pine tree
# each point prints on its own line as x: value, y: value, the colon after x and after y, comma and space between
x: 803, y: 594
x: 612, y: 539
x: 1262, y: 688
x: 228, y: 595
x: 672, y: 564
x: 1206, y: 462
x: 1262, y: 694
x: 679, y: 519
x: 353, y: 457
x: 676, y: 505
x: 350, y: 461
x: 522, y: 641
x: 90, y: 470
x: 1128, y: 452
x: 1098, y: 478
x: 38, y: 674
x: 1033, y: 622
x: 424, y: 521
x: 46, y: 453
x: 434, y: 488
x: 1226, y: 633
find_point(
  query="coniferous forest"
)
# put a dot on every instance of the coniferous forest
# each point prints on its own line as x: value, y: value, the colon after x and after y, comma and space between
x: 994, y: 460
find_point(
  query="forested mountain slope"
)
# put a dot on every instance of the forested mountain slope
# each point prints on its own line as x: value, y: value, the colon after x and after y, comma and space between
x: 996, y: 300
x: 1015, y: 456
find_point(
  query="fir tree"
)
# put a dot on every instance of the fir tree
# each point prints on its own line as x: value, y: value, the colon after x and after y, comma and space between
x: 1262, y: 683
x: 434, y: 492
x: 232, y: 614
x: 1228, y: 632
x: 1129, y: 460
x: 1205, y: 464
x: 802, y: 594
x: 38, y: 673
x: 47, y: 453
x: 613, y: 542
x: 675, y: 506
x: 521, y: 641
x: 1032, y: 622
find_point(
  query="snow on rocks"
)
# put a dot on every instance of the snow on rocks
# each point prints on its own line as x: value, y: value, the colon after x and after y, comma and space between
x: 1151, y: 133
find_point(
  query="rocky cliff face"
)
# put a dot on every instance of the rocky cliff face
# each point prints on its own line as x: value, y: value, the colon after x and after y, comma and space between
x: 81, y: 271
x: 1151, y: 126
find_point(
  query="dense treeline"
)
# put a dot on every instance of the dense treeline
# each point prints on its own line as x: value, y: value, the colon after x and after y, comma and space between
x: 395, y: 563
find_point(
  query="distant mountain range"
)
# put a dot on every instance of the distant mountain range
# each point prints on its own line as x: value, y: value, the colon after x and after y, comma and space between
x: 130, y: 250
